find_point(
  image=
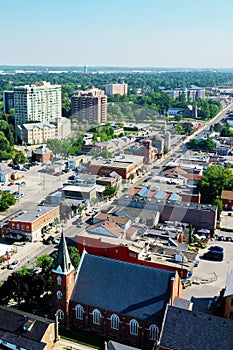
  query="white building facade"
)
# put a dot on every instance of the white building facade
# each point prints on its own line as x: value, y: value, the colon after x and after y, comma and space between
x: 37, y: 103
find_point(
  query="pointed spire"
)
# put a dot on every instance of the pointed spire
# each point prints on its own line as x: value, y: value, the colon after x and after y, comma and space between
x: 63, y: 260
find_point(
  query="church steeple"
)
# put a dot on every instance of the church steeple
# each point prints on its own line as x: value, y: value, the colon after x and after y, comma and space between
x: 63, y: 283
x: 63, y: 264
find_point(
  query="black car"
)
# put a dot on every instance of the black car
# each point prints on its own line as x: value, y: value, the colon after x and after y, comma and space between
x: 220, y: 238
x: 216, y: 248
x: 213, y: 255
x: 229, y: 239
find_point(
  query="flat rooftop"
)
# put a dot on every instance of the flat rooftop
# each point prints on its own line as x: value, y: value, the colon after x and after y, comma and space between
x: 78, y: 188
x: 33, y: 214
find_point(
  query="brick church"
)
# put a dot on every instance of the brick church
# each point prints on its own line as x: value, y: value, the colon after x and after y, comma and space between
x: 119, y: 300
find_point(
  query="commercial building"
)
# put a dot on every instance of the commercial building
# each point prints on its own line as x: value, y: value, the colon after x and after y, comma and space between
x: 37, y: 103
x: 116, y: 89
x: 90, y: 106
x: 198, y: 215
x: 125, y: 166
x: 29, y: 225
x: 85, y: 192
x: 36, y: 133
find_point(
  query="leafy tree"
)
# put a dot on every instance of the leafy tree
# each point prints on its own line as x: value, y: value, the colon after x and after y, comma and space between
x: 46, y: 263
x: 19, y: 158
x: 106, y: 154
x: 6, y: 200
x: 215, y: 179
x: 110, y: 191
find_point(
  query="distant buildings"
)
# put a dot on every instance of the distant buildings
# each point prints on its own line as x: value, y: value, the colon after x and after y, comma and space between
x: 36, y: 103
x: 193, y: 93
x: 89, y: 106
x: 116, y: 89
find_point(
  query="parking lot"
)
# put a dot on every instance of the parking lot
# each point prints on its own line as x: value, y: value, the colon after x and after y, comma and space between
x: 211, y: 274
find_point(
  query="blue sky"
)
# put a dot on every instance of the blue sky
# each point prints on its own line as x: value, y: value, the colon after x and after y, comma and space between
x: 158, y: 33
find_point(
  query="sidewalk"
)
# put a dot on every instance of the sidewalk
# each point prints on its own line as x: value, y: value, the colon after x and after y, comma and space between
x: 66, y: 344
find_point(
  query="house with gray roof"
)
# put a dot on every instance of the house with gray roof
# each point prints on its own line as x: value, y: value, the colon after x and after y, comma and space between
x: 188, y: 330
x: 21, y: 330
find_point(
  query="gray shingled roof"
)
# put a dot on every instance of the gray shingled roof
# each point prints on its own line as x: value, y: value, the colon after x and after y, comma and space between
x: 135, y: 290
x: 11, y: 328
x: 188, y: 330
x: 63, y: 259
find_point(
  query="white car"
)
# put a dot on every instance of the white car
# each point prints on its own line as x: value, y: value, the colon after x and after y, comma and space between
x: 91, y: 213
x: 13, y: 265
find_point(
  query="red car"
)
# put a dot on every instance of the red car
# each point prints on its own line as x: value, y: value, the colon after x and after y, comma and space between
x: 11, y: 184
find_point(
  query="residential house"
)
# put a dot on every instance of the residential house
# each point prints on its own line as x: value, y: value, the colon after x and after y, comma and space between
x: 183, y: 329
x: 21, y: 330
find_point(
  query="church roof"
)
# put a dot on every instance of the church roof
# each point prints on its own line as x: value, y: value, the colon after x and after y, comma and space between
x: 130, y: 289
x: 63, y: 260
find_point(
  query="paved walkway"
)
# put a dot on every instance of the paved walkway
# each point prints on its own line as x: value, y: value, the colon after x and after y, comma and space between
x: 66, y: 344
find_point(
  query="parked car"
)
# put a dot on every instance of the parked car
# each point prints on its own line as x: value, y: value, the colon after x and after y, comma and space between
x: 13, y: 265
x: 91, y: 213
x: 220, y: 238
x: 56, y: 240
x: 11, y: 184
x: 229, y: 239
x: 213, y: 255
x: 216, y: 248
x: 186, y: 283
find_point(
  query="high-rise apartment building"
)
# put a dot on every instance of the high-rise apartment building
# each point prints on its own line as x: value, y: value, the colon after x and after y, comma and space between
x: 8, y: 101
x: 89, y: 106
x: 40, y: 102
x: 116, y: 89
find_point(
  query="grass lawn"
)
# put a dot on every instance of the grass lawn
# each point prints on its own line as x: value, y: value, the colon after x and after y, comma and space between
x: 83, y: 337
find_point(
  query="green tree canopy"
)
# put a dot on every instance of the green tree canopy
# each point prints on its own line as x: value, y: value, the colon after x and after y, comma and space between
x: 215, y: 179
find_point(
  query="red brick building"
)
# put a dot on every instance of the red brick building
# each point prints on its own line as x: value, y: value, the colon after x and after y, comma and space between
x: 116, y: 299
x: 123, y: 165
x: 29, y: 225
x: 227, y: 199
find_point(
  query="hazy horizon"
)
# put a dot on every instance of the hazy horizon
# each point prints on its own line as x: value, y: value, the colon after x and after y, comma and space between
x: 158, y: 34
